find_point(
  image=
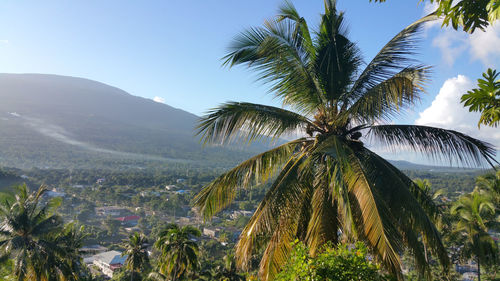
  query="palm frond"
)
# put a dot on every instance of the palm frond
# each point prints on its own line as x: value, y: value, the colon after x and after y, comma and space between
x: 371, y: 219
x: 437, y: 143
x: 324, y: 220
x: 286, y: 227
x: 301, y: 32
x: 248, y: 121
x: 281, y: 60
x: 391, y: 59
x: 279, y: 246
x: 401, y: 193
x: 388, y: 98
x: 286, y: 194
x: 258, y: 169
x: 337, y: 58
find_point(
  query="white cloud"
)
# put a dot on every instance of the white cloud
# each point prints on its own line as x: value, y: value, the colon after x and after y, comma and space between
x: 159, y: 99
x: 452, y: 44
x: 429, y: 8
x: 485, y: 46
x: 481, y: 45
x: 446, y: 111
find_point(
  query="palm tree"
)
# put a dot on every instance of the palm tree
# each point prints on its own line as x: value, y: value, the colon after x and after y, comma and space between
x: 228, y: 272
x: 490, y: 183
x: 327, y: 181
x: 70, y: 240
x: 476, y: 213
x: 34, y: 237
x: 428, y: 199
x: 179, y: 253
x: 137, y: 256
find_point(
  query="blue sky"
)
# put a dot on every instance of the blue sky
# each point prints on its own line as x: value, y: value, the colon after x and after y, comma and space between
x: 172, y: 49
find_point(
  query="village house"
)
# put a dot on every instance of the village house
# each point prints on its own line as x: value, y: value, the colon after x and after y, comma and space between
x: 129, y: 221
x: 109, y: 262
x: 109, y: 211
x: 170, y: 187
x: 211, y: 232
x: 239, y: 213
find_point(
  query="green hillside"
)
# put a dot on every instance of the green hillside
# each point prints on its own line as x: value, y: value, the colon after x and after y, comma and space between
x: 57, y: 121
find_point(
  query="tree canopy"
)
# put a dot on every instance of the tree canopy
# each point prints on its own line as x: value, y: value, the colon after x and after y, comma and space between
x: 327, y: 182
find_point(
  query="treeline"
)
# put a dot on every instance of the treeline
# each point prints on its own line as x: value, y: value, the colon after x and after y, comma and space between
x: 453, y: 183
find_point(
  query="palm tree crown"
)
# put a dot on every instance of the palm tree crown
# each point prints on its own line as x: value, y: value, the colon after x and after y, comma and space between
x: 328, y: 182
x: 476, y: 215
x: 34, y: 237
x: 228, y: 272
x: 179, y: 253
x: 136, y: 252
x: 490, y: 184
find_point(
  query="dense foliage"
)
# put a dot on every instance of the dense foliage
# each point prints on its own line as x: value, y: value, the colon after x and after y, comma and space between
x: 33, y: 235
x: 328, y: 182
x: 215, y: 255
x: 341, y: 263
x: 485, y: 99
x: 179, y: 253
x: 466, y: 14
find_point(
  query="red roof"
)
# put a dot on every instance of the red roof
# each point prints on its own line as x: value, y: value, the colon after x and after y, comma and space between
x: 128, y: 218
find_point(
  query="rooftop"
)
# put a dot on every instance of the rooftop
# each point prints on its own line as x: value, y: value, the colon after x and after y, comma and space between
x: 111, y: 257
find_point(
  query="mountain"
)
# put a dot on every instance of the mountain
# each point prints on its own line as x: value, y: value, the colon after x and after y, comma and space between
x: 409, y: 166
x: 59, y: 121
x: 52, y: 121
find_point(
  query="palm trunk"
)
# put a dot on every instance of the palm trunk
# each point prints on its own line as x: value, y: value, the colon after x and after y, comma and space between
x: 478, y: 270
x: 425, y: 248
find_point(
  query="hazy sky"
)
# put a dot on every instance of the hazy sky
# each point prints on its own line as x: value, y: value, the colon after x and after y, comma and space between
x: 171, y: 50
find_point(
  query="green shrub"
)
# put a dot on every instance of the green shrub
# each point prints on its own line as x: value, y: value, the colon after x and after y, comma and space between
x: 341, y: 263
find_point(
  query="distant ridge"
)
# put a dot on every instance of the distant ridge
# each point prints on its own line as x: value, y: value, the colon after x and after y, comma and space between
x: 59, y: 121
x: 405, y: 165
x: 53, y: 121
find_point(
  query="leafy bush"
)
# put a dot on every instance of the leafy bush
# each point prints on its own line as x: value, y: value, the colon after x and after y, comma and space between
x: 341, y: 263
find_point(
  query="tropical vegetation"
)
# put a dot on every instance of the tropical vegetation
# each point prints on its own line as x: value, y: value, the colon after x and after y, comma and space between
x: 340, y: 263
x: 466, y: 14
x: 485, y: 99
x: 327, y: 184
x: 35, y: 238
x: 137, y: 255
x: 476, y: 216
x: 178, y: 252
x: 228, y: 271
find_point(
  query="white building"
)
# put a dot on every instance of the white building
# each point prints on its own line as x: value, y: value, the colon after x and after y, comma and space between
x: 109, y: 211
x: 469, y: 276
x: 210, y: 232
x: 239, y: 213
x: 108, y: 262
x: 170, y: 187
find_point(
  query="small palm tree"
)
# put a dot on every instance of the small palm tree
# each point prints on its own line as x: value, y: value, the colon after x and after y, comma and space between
x: 327, y: 181
x: 428, y: 198
x: 178, y: 251
x: 228, y: 272
x: 475, y: 212
x: 71, y: 241
x: 490, y: 183
x: 137, y: 256
x: 32, y: 234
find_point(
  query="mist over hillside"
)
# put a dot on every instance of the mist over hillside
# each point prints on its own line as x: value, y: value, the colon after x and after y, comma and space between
x: 52, y: 121
x: 56, y: 121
